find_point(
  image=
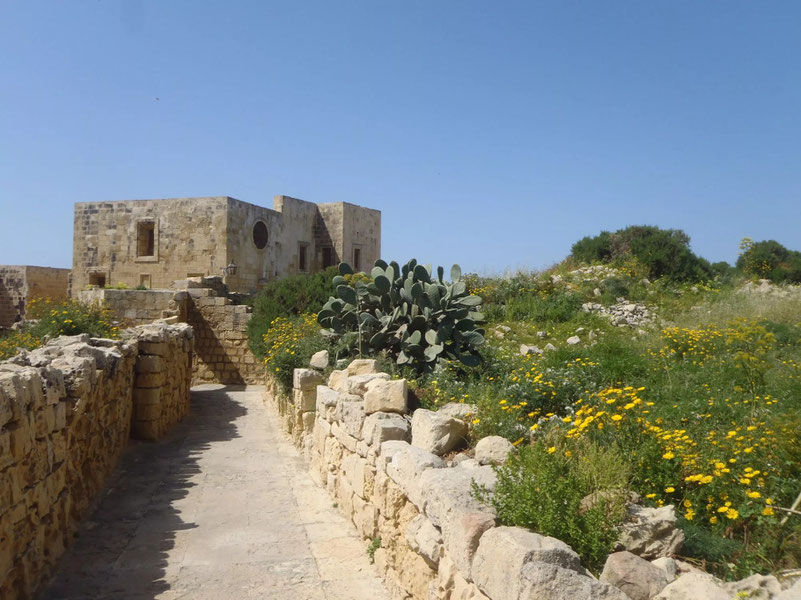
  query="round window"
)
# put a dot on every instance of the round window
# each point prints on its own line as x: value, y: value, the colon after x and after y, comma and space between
x: 260, y: 235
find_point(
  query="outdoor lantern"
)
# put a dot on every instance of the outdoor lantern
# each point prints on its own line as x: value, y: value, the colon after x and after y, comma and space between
x: 230, y: 269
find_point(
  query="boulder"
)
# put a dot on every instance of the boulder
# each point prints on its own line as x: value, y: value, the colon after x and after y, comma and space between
x: 380, y: 427
x: 550, y: 347
x: 526, y: 349
x: 503, y: 552
x: 462, y: 534
x: 544, y: 581
x: 694, y: 586
x: 635, y: 576
x: 319, y: 360
x: 407, y: 466
x: 437, y: 433
x: 425, y: 539
x: 651, y: 532
x: 386, y: 396
x: 493, y: 450
x: 791, y: 593
x: 573, y: 340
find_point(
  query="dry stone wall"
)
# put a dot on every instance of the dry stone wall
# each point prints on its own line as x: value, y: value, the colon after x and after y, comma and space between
x: 387, y: 473
x: 20, y: 284
x: 66, y: 412
x: 138, y: 307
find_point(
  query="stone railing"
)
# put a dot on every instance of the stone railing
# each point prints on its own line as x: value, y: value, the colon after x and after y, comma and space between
x: 66, y: 413
x: 402, y: 483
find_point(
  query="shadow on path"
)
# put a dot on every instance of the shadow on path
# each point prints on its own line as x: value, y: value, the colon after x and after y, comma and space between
x: 126, y: 548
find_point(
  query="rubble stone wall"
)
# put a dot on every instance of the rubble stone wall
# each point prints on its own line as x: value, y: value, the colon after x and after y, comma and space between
x: 433, y: 540
x: 221, y: 340
x: 66, y: 411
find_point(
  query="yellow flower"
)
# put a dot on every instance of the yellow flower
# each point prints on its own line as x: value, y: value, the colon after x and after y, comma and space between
x: 670, y: 489
x: 767, y: 511
x: 753, y: 494
x: 650, y: 495
x: 616, y: 417
x: 552, y: 449
x: 668, y: 455
x: 713, y: 519
x: 732, y: 514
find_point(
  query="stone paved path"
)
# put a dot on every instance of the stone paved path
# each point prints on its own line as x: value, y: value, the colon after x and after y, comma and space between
x: 222, y: 508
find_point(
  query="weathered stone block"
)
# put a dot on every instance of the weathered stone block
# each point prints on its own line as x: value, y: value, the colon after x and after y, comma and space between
x: 386, y: 396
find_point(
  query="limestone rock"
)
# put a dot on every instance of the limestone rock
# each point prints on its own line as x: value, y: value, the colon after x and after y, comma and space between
x: 407, y: 465
x: 425, y: 539
x: 550, y: 347
x: 544, y: 581
x: 635, y: 576
x: 338, y: 380
x: 350, y: 414
x: 756, y: 587
x: 651, y: 532
x: 437, y: 433
x: 357, y: 384
x: 694, y: 586
x: 462, y: 533
x: 493, y: 450
x: 362, y: 366
x: 306, y: 379
x: 448, y: 492
x: 503, y: 552
x: 791, y: 593
x: 386, y: 396
x: 458, y: 410
x: 319, y: 360
x: 668, y: 566
x: 526, y: 349
x: 573, y: 340
x: 380, y: 427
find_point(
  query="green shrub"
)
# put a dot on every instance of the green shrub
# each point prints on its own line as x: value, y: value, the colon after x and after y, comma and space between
x: 290, y: 343
x: 287, y: 297
x: 770, y: 260
x: 542, y: 487
x: 557, y: 307
x: 664, y: 252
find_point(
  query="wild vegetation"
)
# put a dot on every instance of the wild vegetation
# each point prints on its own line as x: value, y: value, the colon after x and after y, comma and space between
x: 691, y: 398
x: 51, y: 318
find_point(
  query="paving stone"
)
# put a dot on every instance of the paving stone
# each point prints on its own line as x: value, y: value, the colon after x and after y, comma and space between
x: 223, y: 507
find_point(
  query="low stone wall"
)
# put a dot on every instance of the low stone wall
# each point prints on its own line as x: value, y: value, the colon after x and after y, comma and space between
x: 401, y: 481
x: 138, y: 307
x: 222, y: 351
x: 21, y: 283
x: 66, y: 411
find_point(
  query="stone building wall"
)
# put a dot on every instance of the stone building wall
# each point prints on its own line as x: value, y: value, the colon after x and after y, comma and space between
x: 154, y: 242
x: 65, y: 416
x: 19, y: 284
x: 390, y: 474
x: 188, y: 239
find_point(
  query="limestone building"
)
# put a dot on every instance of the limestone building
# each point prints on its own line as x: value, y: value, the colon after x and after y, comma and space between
x: 21, y: 283
x: 151, y: 243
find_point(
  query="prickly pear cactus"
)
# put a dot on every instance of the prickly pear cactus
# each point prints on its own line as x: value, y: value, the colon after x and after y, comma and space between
x: 416, y: 317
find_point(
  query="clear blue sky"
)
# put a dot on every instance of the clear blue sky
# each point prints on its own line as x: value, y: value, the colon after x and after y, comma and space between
x: 493, y: 134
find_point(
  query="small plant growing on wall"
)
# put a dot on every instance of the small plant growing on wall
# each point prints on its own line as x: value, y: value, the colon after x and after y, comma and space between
x: 410, y: 314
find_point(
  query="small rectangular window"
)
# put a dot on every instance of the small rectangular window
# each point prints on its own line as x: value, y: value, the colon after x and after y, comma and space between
x: 145, y: 238
x: 328, y: 257
x: 303, y: 259
x: 144, y: 280
x: 357, y: 259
